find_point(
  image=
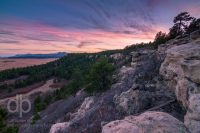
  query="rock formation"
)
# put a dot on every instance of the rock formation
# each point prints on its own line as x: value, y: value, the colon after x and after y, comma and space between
x: 181, y: 70
x: 85, y: 106
x: 192, y: 118
x: 151, y: 94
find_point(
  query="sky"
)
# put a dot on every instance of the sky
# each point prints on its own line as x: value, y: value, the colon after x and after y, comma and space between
x: 49, y: 26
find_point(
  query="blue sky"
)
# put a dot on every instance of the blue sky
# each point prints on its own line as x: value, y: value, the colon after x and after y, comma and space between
x: 46, y: 26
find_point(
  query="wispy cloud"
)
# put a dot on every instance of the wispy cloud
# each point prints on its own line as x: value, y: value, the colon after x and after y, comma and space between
x: 9, y: 41
x: 5, y: 32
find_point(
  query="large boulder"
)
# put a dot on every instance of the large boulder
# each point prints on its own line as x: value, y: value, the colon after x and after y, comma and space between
x: 148, y: 122
x: 192, y: 118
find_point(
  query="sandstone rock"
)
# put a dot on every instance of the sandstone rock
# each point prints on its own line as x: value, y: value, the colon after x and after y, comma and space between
x: 117, y: 56
x: 133, y: 101
x: 194, y: 35
x: 192, y: 118
x: 191, y: 68
x: 135, y: 54
x: 56, y: 128
x: 148, y: 122
x: 185, y: 89
x: 59, y: 127
x: 181, y: 68
x: 87, y: 104
x: 125, y: 72
x: 180, y: 41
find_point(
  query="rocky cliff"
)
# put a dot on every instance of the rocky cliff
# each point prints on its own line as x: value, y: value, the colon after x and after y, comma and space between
x: 158, y: 91
x: 181, y: 70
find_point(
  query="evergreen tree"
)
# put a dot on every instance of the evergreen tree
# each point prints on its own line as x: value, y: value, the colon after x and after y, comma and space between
x: 194, y: 25
x: 100, y: 76
x: 181, y: 22
x: 160, y: 38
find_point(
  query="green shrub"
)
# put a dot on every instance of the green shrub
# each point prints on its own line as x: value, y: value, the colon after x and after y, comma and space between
x: 39, y: 104
x: 100, y: 76
x: 160, y: 38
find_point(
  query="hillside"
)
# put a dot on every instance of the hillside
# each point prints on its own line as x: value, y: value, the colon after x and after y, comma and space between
x: 153, y: 90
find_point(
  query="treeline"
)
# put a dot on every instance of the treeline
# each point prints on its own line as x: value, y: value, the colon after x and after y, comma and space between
x: 184, y: 24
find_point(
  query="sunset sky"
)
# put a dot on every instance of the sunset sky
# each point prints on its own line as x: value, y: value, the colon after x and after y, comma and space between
x: 49, y: 26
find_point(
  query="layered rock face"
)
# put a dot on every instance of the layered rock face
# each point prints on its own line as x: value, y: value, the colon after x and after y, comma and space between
x: 148, y: 122
x: 181, y: 70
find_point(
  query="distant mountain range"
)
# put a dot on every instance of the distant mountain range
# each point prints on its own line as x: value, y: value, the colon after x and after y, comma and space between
x: 51, y: 55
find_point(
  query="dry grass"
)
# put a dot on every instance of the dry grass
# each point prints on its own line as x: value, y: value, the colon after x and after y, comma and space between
x: 16, y: 63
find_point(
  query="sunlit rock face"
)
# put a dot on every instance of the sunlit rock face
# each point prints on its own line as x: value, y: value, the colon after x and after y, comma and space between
x: 148, y: 122
x: 192, y: 118
x: 182, y: 69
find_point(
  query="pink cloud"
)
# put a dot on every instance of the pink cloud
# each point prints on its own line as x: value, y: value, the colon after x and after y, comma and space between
x: 194, y: 10
x: 44, y: 37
